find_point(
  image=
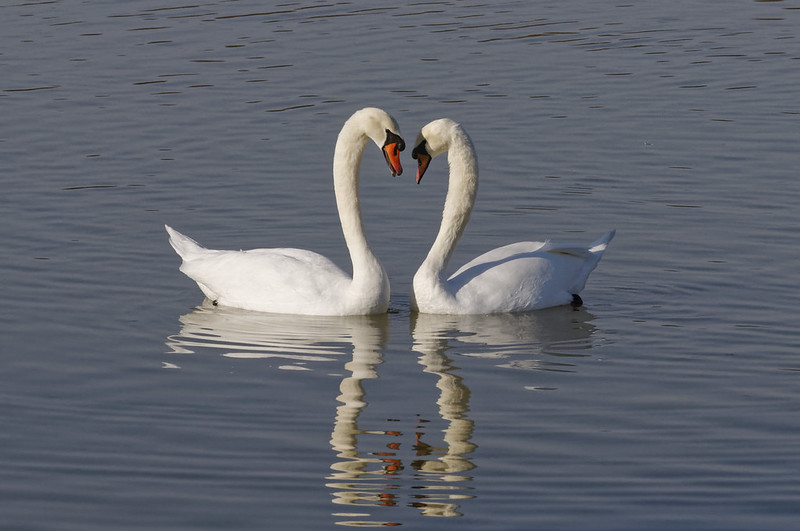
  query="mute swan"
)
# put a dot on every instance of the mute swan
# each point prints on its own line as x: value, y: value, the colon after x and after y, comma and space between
x: 518, y: 277
x: 297, y: 281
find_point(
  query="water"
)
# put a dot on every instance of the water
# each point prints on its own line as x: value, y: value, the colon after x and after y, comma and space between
x: 668, y: 401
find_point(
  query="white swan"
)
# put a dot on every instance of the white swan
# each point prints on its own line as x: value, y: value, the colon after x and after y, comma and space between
x: 297, y: 281
x: 515, y: 278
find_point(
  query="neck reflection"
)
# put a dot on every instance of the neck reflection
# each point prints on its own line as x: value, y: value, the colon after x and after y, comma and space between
x: 373, y: 470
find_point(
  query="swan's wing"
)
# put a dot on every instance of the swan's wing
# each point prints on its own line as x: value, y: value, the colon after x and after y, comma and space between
x: 498, y: 255
x: 274, y: 280
x: 525, y: 276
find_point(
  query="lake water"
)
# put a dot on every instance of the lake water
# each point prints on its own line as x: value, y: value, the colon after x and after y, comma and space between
x: 669, y: 401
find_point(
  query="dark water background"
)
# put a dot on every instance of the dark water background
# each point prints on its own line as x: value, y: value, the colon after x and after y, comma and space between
x: 669, y: 401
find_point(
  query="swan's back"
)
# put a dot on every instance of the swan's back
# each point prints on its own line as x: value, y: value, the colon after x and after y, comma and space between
x: 524, y: 276
x: 282, y: 280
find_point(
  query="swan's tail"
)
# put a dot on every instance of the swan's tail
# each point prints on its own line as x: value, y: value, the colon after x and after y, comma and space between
x: 601, y: 243
x: 595, y: 250
x: 183, y: 245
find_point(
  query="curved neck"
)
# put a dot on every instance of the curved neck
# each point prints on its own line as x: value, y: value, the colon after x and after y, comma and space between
x: 461, y: 191
x: 346, y: 167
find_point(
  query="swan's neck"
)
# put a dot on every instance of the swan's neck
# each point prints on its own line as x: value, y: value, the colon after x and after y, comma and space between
x: 461, y: 191
x: 367, y: 270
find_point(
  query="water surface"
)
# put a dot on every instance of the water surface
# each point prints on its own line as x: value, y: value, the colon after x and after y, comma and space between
x: 668, y: 401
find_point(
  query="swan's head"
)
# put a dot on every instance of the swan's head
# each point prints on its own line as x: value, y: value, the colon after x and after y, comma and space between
x: 384, y: 131
x: 434, y: 139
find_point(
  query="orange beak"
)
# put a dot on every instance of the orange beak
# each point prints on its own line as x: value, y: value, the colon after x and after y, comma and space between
x: 423, y: 160
x: 391, y: 152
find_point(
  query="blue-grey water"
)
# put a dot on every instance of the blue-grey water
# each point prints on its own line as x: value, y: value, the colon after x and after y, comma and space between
x: 669, y: 401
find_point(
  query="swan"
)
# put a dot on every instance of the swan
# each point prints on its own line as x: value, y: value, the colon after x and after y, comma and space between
x: 518, y: 277
x: 297, y: 281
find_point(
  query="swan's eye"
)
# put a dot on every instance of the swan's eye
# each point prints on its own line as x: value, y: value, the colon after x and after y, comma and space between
x: 396, y: 140
x: 420, y: 150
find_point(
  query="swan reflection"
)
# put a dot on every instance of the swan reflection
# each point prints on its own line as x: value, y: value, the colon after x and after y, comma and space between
x: 408, y: 459
x: 451, y: 461
x: 297, y: 338
x: 372, y: 478
x: 543, y: 340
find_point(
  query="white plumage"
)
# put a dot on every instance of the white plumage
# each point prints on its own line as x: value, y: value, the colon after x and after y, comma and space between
x: 298, y: 281
x: 514, y: 278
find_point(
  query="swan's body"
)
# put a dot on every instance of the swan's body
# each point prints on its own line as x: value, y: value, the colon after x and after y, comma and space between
x: 518, y: 277
x: 297, y: 281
